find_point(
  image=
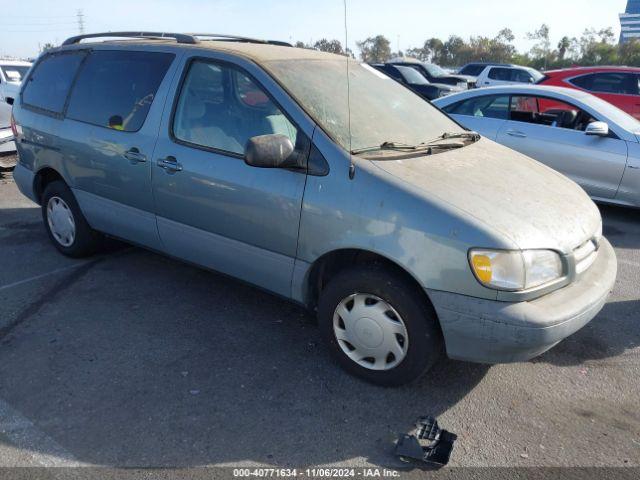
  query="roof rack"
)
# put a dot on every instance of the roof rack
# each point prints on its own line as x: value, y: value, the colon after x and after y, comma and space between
x: 189, y: 38
x: 179, y: 37
x: 236, y: 38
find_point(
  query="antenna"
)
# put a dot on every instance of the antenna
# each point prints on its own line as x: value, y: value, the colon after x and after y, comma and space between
x: 352, y: 166
x: 80, y: 17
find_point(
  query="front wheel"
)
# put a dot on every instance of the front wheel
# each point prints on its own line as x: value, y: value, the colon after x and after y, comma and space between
x: 65, y: 224
x: 379, y: 325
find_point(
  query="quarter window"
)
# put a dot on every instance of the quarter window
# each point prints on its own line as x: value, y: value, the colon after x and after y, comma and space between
x: 49, y: 84
x: 115, y: 89
x: 220, y: 107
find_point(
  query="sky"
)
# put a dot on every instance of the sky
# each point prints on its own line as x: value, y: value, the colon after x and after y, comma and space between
x: 406, y: 23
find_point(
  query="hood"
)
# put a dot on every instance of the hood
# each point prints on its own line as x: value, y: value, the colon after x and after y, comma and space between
x: 528, y: 203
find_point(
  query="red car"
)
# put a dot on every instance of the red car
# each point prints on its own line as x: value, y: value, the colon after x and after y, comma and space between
x: 616, y: 85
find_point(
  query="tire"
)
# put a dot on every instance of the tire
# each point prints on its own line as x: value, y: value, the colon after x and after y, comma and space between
x: 59, y: 210
x: 379, y: 287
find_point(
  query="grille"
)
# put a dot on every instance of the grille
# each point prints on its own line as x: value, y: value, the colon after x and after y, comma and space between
x: 585, y: 255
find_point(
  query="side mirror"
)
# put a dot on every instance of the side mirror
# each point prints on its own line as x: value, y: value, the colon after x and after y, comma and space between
x: 9, y: 100
x: 597, y: 129
x: 270, y: 151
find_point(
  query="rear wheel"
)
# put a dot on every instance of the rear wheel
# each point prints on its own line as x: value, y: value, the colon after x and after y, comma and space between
x: 65, y: 224
x: 379, y: 326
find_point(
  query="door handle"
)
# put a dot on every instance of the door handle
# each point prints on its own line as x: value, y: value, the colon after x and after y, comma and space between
x: 134, y: 156
x: 514, y: 133
x: 170, y: 164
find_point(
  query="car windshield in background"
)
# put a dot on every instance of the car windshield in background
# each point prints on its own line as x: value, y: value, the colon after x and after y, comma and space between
x: 537, y: 76
x: 435, y: 70
x: 472, y: 70
x: 411, y: 75
x: 14, y: 73
x: 381, y: 108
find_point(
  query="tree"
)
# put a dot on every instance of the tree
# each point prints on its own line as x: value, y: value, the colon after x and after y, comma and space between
x: 331, y: 46
x: 374, y: 49
x: 47, y: 46
x: 542, y: 49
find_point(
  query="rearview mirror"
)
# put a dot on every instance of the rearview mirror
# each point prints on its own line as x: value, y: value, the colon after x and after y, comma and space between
x: 270, y: 151
x: 597, y: 129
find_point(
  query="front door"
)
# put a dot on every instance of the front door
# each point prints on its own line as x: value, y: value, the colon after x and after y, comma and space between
x: 212, y: 208
x: 552, y: 132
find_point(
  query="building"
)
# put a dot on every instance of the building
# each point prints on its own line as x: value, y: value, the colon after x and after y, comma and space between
x: 630, y: 21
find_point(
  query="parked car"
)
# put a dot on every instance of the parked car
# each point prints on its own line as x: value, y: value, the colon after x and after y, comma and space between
x: 495, y: 76
x: 616, y: 85
x: 436, y: 74
x: 415, y: 81
x: 589, y: 140
x: 11, y: 74
x: 476, y: 68
x: 408, y: 234
x: 6, y: 134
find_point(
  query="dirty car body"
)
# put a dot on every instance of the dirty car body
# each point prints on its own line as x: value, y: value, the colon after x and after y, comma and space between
x: 452, y: 233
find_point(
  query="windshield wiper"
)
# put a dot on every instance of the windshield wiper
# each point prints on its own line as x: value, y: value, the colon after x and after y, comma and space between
x: 425, y: 147
x: 473, y: 136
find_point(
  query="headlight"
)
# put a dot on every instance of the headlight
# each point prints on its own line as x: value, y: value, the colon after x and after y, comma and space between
x: 515, y: 270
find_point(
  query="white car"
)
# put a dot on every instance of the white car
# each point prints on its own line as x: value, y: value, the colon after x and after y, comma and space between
x: 11, y: 74
x: 591, y: 141
x: 496, y: 75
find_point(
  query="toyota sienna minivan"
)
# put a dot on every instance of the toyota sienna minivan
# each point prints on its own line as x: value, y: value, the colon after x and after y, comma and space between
x: 409, y: 235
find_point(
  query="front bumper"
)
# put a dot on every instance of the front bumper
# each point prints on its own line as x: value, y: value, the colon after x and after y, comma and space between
x: 487, y: 331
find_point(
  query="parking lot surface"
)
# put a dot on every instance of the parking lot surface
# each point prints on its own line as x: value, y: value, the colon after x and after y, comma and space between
x: 130, y: 358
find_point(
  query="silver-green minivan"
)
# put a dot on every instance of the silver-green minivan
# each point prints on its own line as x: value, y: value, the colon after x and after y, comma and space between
x: 409, y: 235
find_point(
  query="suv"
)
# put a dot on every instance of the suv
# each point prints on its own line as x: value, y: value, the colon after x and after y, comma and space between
x: 494, y: 76
x: 616, y: 85
x: 475, y: 69
x: 406, y: 233
x: 413, y: 80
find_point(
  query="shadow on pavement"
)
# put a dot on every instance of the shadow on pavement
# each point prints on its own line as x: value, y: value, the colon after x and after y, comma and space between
x: 142, y: 360
x: 621, y: 226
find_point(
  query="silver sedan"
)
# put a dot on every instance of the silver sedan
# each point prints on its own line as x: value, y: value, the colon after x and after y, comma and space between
x: 591, y: 141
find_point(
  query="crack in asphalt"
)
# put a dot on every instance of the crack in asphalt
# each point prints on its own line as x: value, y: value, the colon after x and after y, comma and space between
x: 48, y: 296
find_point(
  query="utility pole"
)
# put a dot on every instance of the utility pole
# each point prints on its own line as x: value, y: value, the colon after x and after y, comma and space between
x: 80, y: 17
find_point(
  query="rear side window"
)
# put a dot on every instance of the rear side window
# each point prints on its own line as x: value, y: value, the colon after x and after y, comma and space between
x: 49, y: 84
x: 115, y: 89
x: 610, y: 82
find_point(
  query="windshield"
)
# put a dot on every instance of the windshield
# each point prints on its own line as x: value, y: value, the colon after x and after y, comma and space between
x: 382, y: 110
x: 411, y: 75
x: 473, y: 70
x: 435, y: 70
x: 537, y: 76
x: 14, y: 73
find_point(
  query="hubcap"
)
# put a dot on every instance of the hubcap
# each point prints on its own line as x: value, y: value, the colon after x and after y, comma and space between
x: 370, y: 332
x: 61, y: 222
